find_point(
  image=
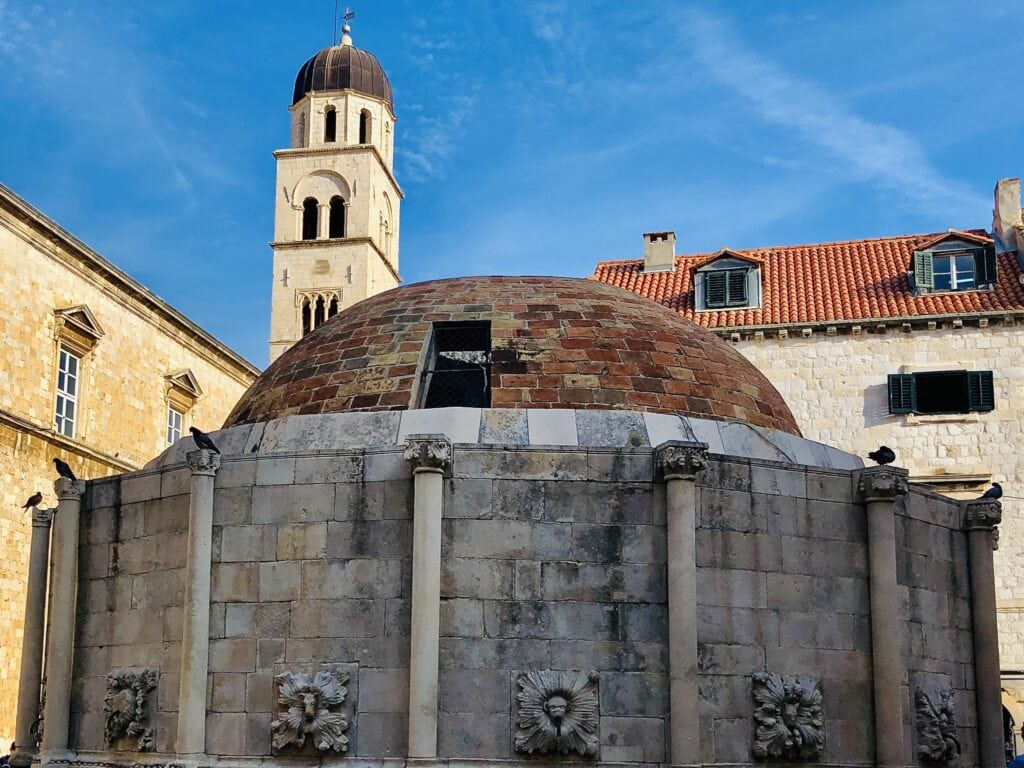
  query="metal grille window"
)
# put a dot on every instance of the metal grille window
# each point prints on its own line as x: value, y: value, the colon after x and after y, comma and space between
x: 173, y: 425
x: 67, y: 393
x: 458, y: 369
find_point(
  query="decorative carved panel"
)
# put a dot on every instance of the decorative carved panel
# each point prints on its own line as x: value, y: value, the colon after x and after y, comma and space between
x: 557, y: 713
x: 788, y: 718
x: 936, y: 727
x: 126, y: 709
x: 309, y: 706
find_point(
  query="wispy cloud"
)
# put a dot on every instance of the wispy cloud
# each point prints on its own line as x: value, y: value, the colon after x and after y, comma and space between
x: 868, y: 151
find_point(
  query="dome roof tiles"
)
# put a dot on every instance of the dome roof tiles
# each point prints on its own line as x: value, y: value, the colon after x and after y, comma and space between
x: 340, y: 67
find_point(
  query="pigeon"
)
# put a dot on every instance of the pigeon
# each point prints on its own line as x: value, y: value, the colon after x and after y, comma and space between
x: 995, y: 492
x: 203, y: 440
x: 64, y: 470
x: 884, y: 455
x: 33, y: 500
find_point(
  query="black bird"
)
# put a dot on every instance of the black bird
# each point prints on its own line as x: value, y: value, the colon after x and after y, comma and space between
x: 64, y: 470
x: 995, y: 492
x: 203, y: 440
x: 884, y: 455
x: 33, y: 500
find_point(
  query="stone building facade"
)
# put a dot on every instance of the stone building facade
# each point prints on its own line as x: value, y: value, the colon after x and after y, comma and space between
x: 830, y: 323
x: 579, y: 583
x: 83, y: 341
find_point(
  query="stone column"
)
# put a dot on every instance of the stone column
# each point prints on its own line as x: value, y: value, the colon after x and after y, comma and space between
x: 195, y: 630
x: 32, y: 642
x: 980, y: 520
x: 679, y: 464
x: 429, y: 455
x: 61, y: 640
x: 880, y: 488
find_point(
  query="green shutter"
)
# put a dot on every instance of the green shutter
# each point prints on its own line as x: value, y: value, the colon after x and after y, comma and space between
x: 737, y: 284
x: 714, y: 289
x: 923, y: 269
x: 985, y: 266
x: 981, y: 393
x: 902, y: 393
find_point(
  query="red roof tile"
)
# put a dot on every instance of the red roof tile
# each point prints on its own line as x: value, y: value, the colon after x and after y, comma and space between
x: 823, y: 282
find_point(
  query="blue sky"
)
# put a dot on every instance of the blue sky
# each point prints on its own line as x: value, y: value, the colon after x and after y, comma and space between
x: 533, y: 137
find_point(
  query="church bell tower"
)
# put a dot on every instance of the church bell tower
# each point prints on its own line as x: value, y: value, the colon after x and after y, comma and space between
x: 336, y: 201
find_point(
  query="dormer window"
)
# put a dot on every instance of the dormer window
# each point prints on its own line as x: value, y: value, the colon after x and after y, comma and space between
x: 954, y: 265
x: 728, y: 283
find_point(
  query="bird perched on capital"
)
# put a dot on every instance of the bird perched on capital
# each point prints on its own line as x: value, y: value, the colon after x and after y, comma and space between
x: 203, y: 440
x: 64, y: 470
x: 995, y: 492
x: 33, y: 500
x: 884, y: 455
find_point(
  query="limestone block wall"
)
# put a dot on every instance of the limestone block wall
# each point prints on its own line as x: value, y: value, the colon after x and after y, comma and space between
x: 836, y: 388
x: 553, y: 558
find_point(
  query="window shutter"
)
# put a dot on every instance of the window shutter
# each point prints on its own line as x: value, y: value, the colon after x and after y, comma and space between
x: 714, y: 289
x: 980, y: 391
x: 985, y: 266
x: 902, y: 393
x: 923, y: 269
x: 737, y: 279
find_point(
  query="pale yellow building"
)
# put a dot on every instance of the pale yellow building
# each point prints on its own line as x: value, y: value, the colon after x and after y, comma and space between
x: 96, y: 370
x: 336, y: 203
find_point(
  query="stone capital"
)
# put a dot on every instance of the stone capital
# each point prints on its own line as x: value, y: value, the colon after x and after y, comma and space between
x: 678, y: 460
x: 982, y: 514
x: 42, y: 518
x: 882, y: 483
x: 428, y: 453
x: 203, y: 462
x: 68, y: 490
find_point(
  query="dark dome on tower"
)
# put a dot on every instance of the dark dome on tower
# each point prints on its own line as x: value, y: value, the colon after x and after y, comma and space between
x: 343, y: 66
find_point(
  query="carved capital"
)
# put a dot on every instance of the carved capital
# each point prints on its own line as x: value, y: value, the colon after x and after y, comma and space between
x: 676, y: 460
x: 68, y: 490
x: 428, y: 453
x: 203, y: 462
x: 42, y: 518
x: 882, y: 483
x: 982, y: 514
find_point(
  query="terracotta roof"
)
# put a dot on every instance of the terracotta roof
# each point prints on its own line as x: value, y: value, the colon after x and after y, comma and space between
x: 823, y: 282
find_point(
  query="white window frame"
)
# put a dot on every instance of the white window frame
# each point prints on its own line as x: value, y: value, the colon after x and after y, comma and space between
x: 959, y: 279
x: 62, y: 423
x: 174, y: 431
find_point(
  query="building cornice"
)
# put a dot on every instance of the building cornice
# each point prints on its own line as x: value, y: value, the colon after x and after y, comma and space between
x: 325, y: 244
x: 59, y: 244
x: 72, y: 446
x: 866, y: 326
x: 351, y: 149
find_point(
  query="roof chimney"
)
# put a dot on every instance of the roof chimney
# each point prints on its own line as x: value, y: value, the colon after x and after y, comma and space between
x: 659, y: 252
x: 1007, y: 227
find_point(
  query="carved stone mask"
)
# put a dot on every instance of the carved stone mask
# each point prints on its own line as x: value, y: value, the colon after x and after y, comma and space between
x: 556, y: 708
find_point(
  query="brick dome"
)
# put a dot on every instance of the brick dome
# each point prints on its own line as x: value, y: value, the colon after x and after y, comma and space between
x: 554, y: 343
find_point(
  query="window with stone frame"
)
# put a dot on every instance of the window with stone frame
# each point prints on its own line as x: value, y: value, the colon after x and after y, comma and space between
x: 954, y: 265
x: 727, y: 282
x: 457, y: 370
x: 66, y: 408
x: 941, y: 392
x: 174, y: 421
x: 182, y: 392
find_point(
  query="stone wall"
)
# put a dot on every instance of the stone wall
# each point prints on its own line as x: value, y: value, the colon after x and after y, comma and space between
x: 122, y: 414
x: 551, y: 559
x: 836, y: 387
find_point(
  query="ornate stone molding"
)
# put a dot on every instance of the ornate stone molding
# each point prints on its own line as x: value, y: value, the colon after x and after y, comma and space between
x: 309, y: 706
x: 936, y: 727
x: 983, y: 515
x: 677, y: 460
x: 428, y: 453
x: 203, y: 461
x: 882, y: 483
x: 42, y: 518
x: 788, y: 719
x: 126, y: 706
x: 557, y: 713
x: 70, y: 490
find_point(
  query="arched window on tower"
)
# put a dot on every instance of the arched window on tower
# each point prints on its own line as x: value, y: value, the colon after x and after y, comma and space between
x: 365, y: 127
x: 307, y: 316
x: 310, y: 218
x: 336, y: 224
x: 332, y: 308
x: 318, y: 312
x: 330, y: 124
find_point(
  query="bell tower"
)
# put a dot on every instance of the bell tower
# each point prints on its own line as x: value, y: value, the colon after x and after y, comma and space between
x: 336, y: 200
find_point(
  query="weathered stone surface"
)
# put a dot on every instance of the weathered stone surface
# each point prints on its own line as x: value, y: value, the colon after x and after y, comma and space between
x: 506, y: 539
x: 485, y: 579
x: 235, y: 582
x: 384, y: 690
x: 469, y: 691
x: 586, y: 621
x: 634, y: 694
x: 293, y: 503
x: 633, y: 739
x: 245, y: 543
x: 382, y: 734
x: 473, y: 736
